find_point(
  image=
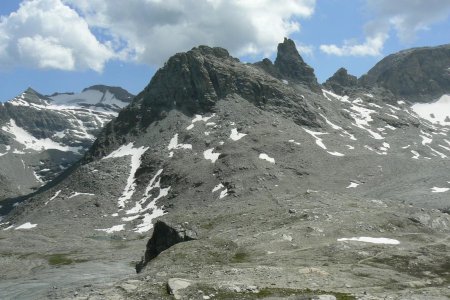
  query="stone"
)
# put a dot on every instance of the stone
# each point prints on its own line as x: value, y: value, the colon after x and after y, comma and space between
x: 326, y: 297
x: 175, y: 285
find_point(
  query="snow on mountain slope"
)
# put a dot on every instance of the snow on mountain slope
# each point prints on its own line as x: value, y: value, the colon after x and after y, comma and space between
x: 436, y: 112
x: 41, y: 136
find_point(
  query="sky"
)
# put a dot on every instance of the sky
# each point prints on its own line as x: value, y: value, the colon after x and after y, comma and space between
x: 68, y: 45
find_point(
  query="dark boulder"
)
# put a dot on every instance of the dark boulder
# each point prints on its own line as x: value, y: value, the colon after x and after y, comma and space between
x: 165, y: 235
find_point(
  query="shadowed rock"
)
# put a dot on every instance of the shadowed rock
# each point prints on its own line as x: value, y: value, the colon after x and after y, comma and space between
x: 165, y: 236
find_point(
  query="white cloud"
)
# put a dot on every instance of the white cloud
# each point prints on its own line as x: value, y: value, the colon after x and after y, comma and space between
x: 305, y: 50
x: 150, y: 31
x: 371, y: 47
x: 406, y: 17
x: 49, y: 34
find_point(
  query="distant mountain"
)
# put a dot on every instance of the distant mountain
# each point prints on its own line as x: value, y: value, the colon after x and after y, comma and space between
x: 40, y: 136
x: 418, y: 75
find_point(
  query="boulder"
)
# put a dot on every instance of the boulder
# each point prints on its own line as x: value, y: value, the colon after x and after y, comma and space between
x: 175, y: 285
x: 165, y: 235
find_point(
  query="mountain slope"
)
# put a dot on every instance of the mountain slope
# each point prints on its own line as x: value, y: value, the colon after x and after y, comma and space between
x: 42, y: 135
x: 290, y: 189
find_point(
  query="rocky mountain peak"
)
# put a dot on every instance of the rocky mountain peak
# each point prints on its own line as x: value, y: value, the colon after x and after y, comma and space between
x: 194, y: 81
x: 30, y: 96
x: 341, y: 81
x: 291, y: 65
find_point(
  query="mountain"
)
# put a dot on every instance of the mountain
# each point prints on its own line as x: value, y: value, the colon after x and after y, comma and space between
x: 41, y: 136
x: 419, y: 74
x: 263, y: 184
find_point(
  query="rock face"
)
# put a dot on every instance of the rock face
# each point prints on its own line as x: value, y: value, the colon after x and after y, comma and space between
x: 165, y: 236
x: 290, y: 66
x: 341, y: 81
x: 193, y: 83
x: 41, y: 136
x: 419, y: 75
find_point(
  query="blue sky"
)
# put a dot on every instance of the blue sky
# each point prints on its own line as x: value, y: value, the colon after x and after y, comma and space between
x: 67, y: 45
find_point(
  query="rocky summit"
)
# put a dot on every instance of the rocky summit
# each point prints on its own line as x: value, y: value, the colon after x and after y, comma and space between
x: 261, y: 183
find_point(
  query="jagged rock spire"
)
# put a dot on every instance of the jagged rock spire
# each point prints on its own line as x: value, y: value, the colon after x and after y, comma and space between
x: 291, y: 65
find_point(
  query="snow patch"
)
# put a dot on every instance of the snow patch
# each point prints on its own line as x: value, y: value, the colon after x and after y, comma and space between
x: 266, y: 157
x: 336, y: 127
x: 75, y: 194
x: 136, y: 154
x: 439, y: 190
x: 27, y: 225
x: 173, y: 144
x: 53, y: 197
x: 235, y: 135
x: 115, y: 228
x: 437, y: 112
x: 352, y: 185
x: 210, y: 155
x: 30, y: 142
x: 372, y: 240
x: 335, y: 153
x: 315, y: 135
x: 217, y: 188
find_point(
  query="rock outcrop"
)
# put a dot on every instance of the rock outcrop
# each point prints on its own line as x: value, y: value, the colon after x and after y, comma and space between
x: 341, y: 81
x: 165, y: 235
x: 290, y: 66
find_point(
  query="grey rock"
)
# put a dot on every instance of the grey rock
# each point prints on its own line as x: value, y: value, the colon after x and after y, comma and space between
x: 341, y: 81
x: 176, y: 285
x: 291, y: 65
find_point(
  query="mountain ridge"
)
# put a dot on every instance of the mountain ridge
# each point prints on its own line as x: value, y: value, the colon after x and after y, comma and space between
x: 48, y: 133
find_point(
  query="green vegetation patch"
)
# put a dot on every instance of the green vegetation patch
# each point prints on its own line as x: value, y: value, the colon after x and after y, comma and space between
x: 241, y: 257
x: 62, y: 259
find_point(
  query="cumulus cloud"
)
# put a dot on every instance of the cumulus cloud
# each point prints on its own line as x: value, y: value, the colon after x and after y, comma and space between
x: 371, y: 47
x: 85, y: 34
x: 305, y: 50
x: 150, y: 31
x: 49, y: 34
x: 406, y: 17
